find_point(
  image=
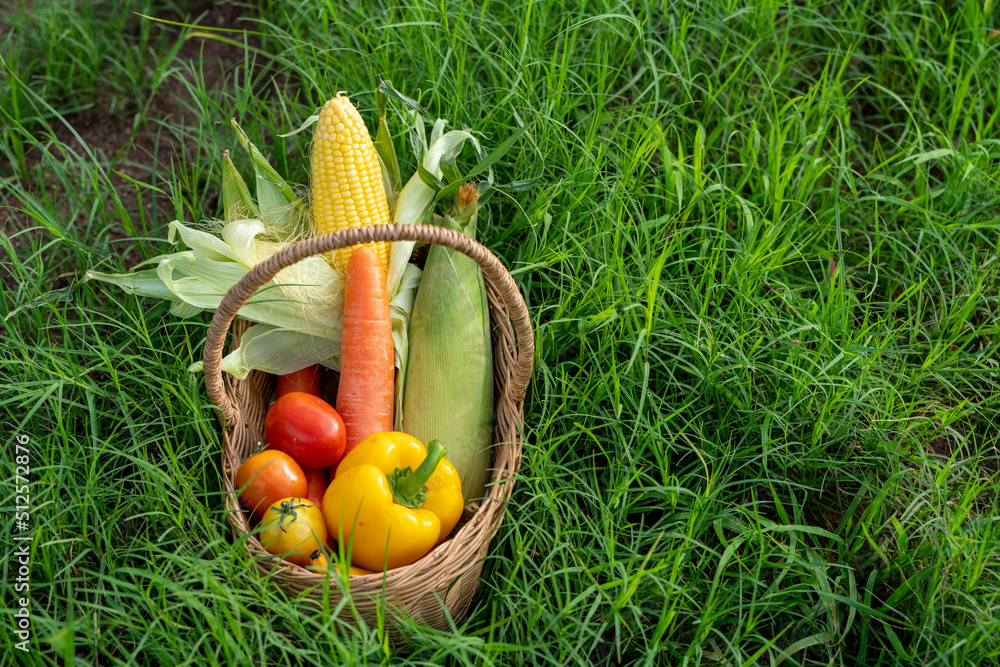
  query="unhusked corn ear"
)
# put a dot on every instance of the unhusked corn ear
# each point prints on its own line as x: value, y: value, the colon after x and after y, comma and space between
x: 448, y: 386
x: 347, y: 189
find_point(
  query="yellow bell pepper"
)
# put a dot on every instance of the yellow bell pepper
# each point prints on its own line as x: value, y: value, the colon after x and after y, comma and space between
x: 386, y: 512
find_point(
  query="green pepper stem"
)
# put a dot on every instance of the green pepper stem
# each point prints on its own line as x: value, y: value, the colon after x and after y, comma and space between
x: 409, y: 486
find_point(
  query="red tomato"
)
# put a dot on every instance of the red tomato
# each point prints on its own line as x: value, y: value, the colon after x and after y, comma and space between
x: 268, y: 477
x: 307, y: 428
x: 317, y: 480
x: 309, y: 380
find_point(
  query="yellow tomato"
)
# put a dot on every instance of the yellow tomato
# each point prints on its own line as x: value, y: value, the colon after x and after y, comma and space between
x: 293, y: 528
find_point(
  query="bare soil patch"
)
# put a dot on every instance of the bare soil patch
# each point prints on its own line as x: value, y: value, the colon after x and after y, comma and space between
x: 129, y: 142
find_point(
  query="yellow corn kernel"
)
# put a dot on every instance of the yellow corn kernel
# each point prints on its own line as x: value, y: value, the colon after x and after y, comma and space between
x: 347, y: 188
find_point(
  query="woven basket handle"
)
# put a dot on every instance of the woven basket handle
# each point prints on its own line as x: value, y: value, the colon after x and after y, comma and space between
x: 241, y: 292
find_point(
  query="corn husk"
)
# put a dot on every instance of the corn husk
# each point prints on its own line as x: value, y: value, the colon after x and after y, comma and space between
x: 299, y: 312
x: 448, y: 387
x: 303, y: 304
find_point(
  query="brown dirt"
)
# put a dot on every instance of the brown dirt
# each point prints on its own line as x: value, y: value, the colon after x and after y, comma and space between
x: 107, y: 129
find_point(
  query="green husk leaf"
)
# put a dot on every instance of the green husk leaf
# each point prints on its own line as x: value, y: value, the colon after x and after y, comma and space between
x: 236, y: 200
x: 412, y: 117
x: 280, y: 208
x: 263, y: 169
x: 446, y: 193
x: 400, y: 309
x: 386, y: 150
x: 267, y: 348
x: 184, y: 310
x: 448, y: 143
x: 239, y: 235
x: 416, y: 201
x: 142, y: 283
x: 430, y: 179
x: 306, y: 297
x: 299, y: 312
x: 449, y: 164
x: 412, y: 207
x: 203, y: 243
x: 437, y: 131
x: 386, y: 88
x: 444, y: 153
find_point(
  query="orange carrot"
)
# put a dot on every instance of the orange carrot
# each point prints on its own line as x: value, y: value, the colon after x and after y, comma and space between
x: 367, y: 362
x: 309, y: 380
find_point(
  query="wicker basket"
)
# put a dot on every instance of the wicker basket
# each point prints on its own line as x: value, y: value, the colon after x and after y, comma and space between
x: 446, y: 578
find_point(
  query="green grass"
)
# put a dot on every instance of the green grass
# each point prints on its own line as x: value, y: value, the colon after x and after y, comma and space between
x: 761, y: 262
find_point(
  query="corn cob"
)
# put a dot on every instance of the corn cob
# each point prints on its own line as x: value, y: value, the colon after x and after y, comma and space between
x: 347, y: 189
x: 448, y: 387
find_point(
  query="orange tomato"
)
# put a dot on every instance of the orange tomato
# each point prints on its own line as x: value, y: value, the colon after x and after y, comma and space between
x: 267, y: 477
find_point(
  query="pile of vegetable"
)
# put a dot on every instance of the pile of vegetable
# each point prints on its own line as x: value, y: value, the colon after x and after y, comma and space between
x: 352, y: 483
x: 385, y: 502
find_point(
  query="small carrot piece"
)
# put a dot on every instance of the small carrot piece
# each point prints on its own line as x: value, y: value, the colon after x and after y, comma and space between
x: 309, y: 380
x: 367, y: 361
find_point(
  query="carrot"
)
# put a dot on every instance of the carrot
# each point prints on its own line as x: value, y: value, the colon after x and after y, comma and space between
x: 367, y: 361
x: 309, y: 380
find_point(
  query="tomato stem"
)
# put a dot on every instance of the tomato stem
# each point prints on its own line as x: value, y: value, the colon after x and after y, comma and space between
x: 287, y: 510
